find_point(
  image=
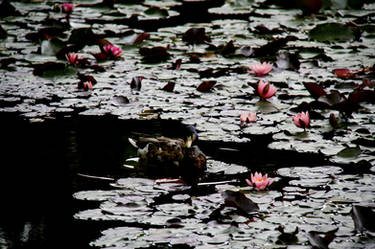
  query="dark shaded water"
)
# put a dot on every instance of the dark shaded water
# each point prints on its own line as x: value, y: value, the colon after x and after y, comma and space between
x: 41, y: 163
x: 40, y: 167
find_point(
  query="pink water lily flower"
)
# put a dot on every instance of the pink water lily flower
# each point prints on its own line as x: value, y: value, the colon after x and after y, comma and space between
x: 87, y: 85
x: 261, y: 69
x: 248, y: 117
x: 301, y: 119
x: 265, y: 89
x: 112, y: 51
x: 67, y: 8
x: 73, y: 58
x: 260, y: 182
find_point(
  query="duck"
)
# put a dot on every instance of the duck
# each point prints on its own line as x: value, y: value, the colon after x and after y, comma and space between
x: 173, y: 157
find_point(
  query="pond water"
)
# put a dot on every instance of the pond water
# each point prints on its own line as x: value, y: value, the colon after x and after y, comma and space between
x: 62, y: 177
x: 63, y: 183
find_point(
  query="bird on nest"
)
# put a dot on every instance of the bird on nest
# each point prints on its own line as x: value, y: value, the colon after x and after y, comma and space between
x: 172, y: 157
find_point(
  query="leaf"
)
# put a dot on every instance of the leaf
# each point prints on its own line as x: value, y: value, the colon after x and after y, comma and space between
x: 6, y: 9
x: 195, y: 36
x: 48, y: 67
x: 3, y: 33
x: 210, y: 73
x: 155, y: 11
x: 85, y: 77
x: 154, y: 54
x: 263, y: 30
x: 136, y: 83
x: 314, y: 89
x: 120, y: 100
x: 240, y: 201
x: 4, y: 63
x: 345, y: 73
x: 287, y: 238
x: 169, y: 86
x: 141, y: 38
x: 358, y: 96
x: 100, y: 56
x: 176, y: 65
x: 206, y: 86
x: 317, y: 241
x: 272, y: 47
x: 331, y: 32
x: 333, y: 121
x: 333, y: 98
x: 45, y: 33
x: 226, y: 49
x: 363, y: 217
x: 83, y: 36
x: 349, y: 152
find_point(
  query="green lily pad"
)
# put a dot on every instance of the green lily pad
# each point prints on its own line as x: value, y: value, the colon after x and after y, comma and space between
x: 331, y: 32
x: 349, y: 152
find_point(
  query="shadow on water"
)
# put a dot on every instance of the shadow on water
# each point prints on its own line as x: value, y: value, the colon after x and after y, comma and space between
x: 41, y: 162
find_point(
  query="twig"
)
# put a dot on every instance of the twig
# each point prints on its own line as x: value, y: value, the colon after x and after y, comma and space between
x: 96, y: 177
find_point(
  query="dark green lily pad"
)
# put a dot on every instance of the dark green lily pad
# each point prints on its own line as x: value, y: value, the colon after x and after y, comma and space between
x: 331, y: 32
x: 349, y: 152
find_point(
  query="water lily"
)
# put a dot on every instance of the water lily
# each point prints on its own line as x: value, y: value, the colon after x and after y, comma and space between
x: 73, y: 58
x: 112, y: 51
x: 265, y: 89
x: 301, y: 119
x: 67, y: 8
x: 260, y: 182
x: 261, y: 69
x: 87, y: 85
x: 248, y: 117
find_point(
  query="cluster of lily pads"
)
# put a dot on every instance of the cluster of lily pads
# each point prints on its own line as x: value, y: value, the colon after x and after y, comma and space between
x: 265, y: 89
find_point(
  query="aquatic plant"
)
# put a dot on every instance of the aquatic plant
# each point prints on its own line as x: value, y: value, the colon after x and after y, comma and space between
x: 265, y: 89
x: 67, y: 8
x: 73, y: 58
x: 247, y: 117
x: 112, y: 51
x: 259, y: 181
x: 261, y: 69
x: 301, y: 119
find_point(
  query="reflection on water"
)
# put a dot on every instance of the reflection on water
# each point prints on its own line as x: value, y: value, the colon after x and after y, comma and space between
x: 39, y: 166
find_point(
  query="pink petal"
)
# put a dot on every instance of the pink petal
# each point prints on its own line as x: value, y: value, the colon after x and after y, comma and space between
x: 296, y: 120
x: 271, y: 91
x: 305, y: 118
x: 260, y: 185
x: 257, y: 175
x: 261, y: 68
x: 261, y: 86
x: 249, y: 182
x: 243, y: 117
x: 270, y: 181
x: 251, y: 117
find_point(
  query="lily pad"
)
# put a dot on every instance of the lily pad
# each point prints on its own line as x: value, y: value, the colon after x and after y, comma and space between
x: 349, y: 152
x: 331, y: 32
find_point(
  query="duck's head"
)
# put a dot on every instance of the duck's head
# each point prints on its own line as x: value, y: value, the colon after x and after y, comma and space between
x: 191, y: 136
